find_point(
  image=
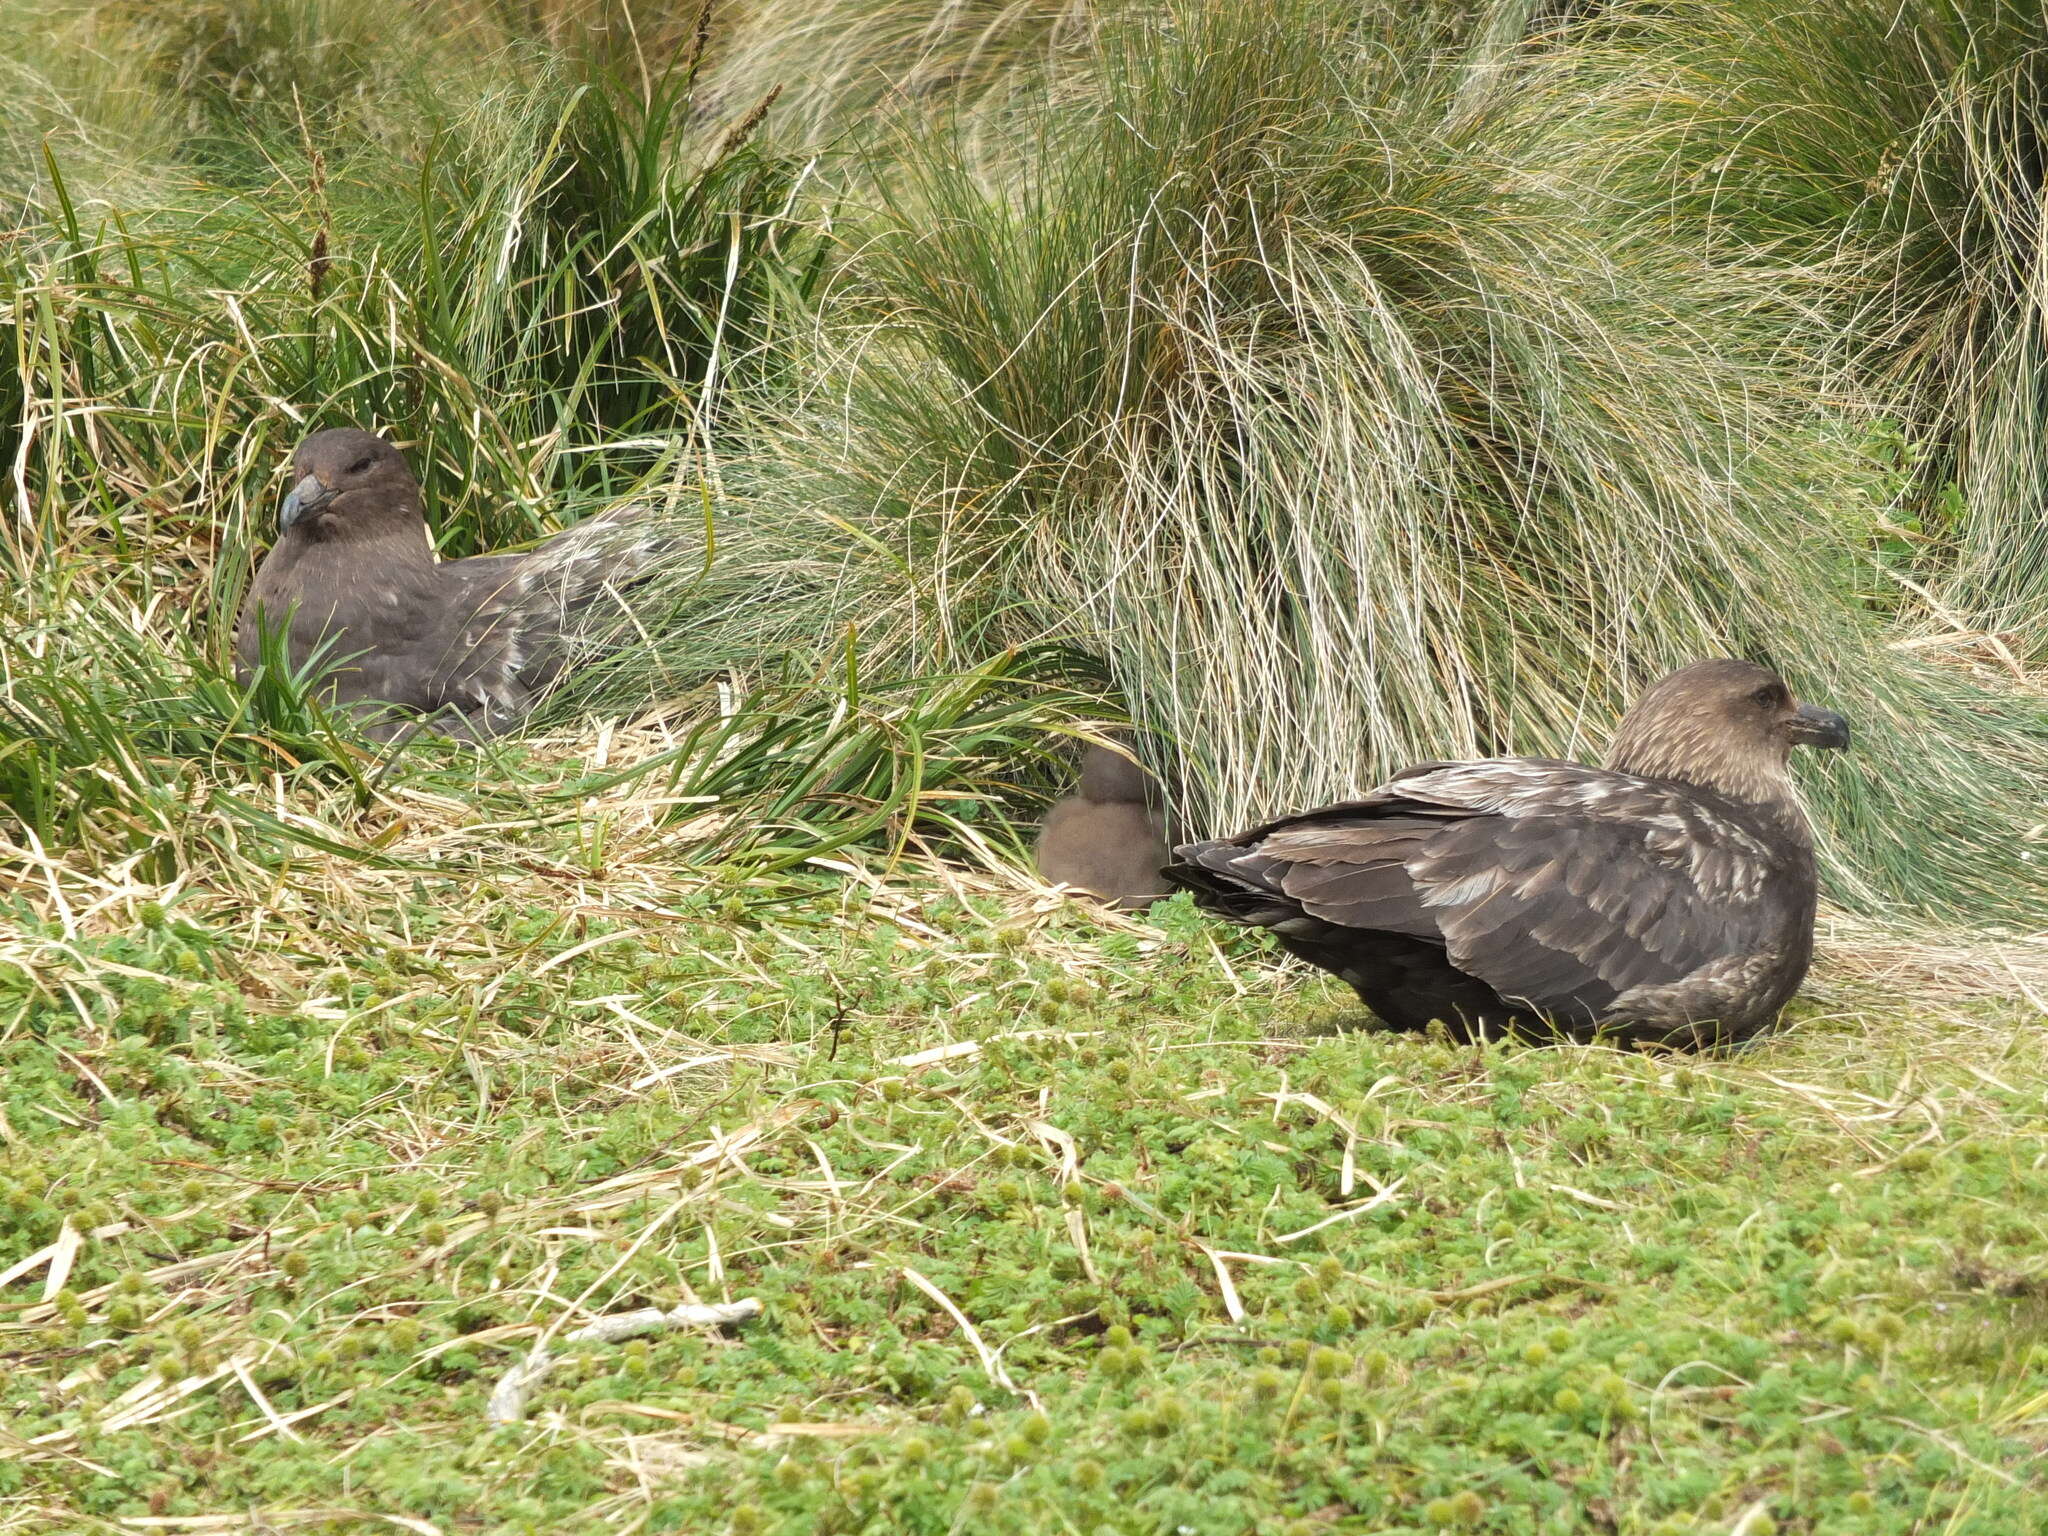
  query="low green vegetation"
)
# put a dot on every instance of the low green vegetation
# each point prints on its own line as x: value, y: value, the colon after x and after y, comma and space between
x: 1229, y: 1264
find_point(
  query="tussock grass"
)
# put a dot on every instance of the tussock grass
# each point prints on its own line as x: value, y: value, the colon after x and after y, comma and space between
x: 518, y: 297
x: 144, y: 758
x: 841, y: 61
x: 1323, y: 372
x: 1889, y: 158
x: 136, y: 99
x: 1352, y: 426
x: 564, y: 264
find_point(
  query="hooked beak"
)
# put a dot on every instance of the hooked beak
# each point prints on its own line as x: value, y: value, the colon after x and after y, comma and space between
x: 1813, y: 726
x: 306, y: 498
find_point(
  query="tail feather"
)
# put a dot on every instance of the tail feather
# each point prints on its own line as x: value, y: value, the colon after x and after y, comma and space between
x: 1206, y: 870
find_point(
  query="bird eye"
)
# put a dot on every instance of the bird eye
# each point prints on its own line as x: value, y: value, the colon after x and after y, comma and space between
x: 1769, y: 696
x: 362, y: 464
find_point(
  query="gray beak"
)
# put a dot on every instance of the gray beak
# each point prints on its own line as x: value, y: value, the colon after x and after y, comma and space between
x: 1813, y: 726
x: 306, y: 498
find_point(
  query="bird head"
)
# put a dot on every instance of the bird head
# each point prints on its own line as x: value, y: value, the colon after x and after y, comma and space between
x: 348, y: 481
x: 1110, y: 778
x: 1727, y: 725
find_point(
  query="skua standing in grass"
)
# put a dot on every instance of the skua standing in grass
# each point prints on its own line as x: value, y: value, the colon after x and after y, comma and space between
x: 1666, y: 897
x: 469, y: 643
x: 1109, y: 837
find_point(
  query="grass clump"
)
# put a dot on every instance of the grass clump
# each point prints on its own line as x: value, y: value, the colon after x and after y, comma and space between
x: 515, y: 291
x: 1352, y: 426
x: 532, y: 284
x: 843, y: 61
x: 1889, y: 159
x: 1328, y: 375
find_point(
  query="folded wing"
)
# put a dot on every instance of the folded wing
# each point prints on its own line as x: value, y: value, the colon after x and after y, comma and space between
x: 534, y: 616
x: 1562, y: 888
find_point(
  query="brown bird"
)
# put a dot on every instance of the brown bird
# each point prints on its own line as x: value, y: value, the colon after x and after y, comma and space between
x: 471, y: 643
x: 1668, y: 896
x: 1109, y: 837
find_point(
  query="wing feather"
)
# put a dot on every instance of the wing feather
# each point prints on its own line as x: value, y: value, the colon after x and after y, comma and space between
x: 1554, y: 884
x: 534, y: 616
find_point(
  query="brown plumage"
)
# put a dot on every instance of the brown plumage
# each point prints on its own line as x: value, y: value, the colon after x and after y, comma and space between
x: 1667, y: 896
x: 1108, y: 837
x: 471, y: 642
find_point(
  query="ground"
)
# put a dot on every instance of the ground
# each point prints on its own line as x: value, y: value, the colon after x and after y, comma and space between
x: 1058, y: 1223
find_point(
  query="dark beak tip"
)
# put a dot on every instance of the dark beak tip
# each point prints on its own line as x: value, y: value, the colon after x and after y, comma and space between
x: 308, y: 496
x: 1823, y: 728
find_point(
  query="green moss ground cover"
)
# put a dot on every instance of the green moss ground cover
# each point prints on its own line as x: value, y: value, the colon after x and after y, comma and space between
x: 1231, y: 1262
